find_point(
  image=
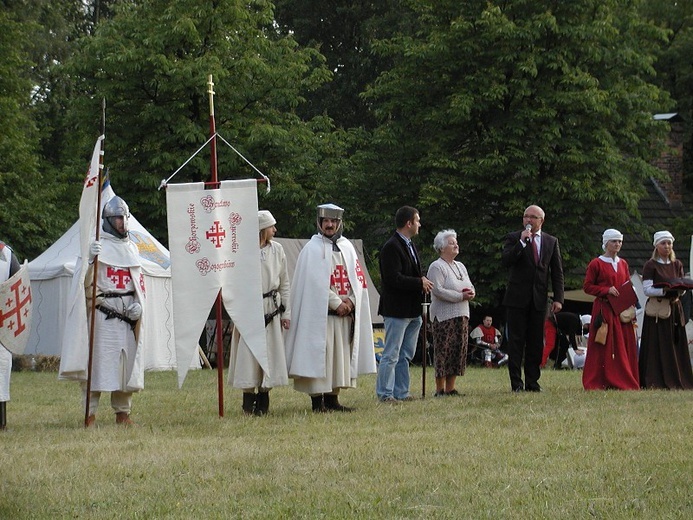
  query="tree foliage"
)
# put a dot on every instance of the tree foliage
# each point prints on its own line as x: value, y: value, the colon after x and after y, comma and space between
x: 492, y: 106
x: 151, y: 62
x: 674, y: 66
x: 26, y: 195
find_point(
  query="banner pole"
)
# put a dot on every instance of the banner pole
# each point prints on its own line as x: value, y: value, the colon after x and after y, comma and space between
x: 218, y: 302
x: 95, y: 265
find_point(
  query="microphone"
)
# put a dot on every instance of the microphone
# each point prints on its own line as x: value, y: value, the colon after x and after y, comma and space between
x: 528, y: 227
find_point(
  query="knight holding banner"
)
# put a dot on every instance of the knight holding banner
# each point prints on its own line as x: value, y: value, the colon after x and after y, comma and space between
x: 330, y: 342
x: 117, y: 362
x: 9, y: 265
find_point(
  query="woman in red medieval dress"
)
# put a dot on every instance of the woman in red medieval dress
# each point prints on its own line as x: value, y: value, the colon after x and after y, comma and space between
x: 614, y: 364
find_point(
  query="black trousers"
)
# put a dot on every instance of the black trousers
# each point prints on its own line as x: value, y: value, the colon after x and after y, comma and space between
x: 525, y: 343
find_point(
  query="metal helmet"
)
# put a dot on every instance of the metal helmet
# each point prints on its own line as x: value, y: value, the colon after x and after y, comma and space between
x: 330, y: 211
x: 116, y: 207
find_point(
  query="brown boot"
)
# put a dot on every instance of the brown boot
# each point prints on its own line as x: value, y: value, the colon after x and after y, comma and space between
x: 124, y: 419
x: 91, y: 421
x: 332, y: 404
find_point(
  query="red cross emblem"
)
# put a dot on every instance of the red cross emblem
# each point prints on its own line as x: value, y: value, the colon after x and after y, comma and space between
x: 16, y: 306
x: 340, y: 280
x: 216, y: 234
x: 360, y: 276
x: 119, y: 277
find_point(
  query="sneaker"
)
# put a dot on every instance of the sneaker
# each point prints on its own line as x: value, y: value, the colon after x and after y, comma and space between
x: 408, y: 399
x: 389, y: 400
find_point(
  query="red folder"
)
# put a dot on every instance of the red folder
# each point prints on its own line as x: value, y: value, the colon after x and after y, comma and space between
x: 675, y: 284
x: 626, y: 297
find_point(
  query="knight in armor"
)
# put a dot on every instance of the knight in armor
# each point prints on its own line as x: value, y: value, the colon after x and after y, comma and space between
x: 9, y: 265
x: 330, y: 342
x: 245, y: 371
x: 118, y: 361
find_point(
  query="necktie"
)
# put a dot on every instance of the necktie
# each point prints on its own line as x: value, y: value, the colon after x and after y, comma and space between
x: 535, y: 249
x: 411, y: 251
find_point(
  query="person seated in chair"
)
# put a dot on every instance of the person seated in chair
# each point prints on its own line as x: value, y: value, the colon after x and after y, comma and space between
x: 487, y: 341
x: 560, y: 332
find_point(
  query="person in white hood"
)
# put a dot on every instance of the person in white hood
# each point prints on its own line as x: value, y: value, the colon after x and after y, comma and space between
x: 117, y: 364
x: 330, y: 341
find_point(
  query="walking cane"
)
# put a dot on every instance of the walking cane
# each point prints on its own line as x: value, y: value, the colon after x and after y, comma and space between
x: 424, y: 308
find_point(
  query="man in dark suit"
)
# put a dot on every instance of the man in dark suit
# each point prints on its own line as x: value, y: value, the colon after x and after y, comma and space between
x: 403, y: 285
x: 532, y: 257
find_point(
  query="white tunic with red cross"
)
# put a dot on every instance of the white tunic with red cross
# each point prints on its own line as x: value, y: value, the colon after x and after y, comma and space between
x: 115, y: 342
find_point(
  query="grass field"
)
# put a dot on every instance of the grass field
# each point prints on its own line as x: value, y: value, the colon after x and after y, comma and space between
x: 564, y: 453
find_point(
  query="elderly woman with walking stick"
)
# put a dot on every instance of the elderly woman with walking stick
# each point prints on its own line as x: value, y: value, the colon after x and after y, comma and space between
x: 452, y: 290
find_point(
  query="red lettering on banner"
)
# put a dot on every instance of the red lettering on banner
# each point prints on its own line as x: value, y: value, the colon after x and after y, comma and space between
x: 119, y: 277
x: 235, y: 220
x: 216, y: 234
x: 142, y: 288
x: 340, y: 280
x: 15, y: 307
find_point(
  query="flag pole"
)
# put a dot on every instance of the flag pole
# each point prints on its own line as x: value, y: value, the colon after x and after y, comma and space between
x: 424, y: 311
x: 218, y: 302
x: 95, y: 265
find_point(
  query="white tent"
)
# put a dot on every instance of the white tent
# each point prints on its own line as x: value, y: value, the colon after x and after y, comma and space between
x: 51, y: 275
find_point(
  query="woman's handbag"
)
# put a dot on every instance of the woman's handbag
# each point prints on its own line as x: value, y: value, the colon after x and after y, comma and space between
x: 628, y: 315
x: 658, y: 308
x: 602, y: 331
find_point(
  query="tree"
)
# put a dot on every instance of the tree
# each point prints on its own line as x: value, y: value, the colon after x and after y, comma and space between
x: 151, y: 61
x: 673, y: 65
x: 343, y: 31
x: 492, y: 106
x: 26, y: 217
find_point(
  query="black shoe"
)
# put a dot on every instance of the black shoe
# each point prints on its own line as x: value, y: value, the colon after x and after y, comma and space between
x: 318, y: 403
x: 518, y: 390
x: 453, y: 392
x: 533, y: 388
x: 262, y: 403
x: 248, y: 406
x: 439, y: 393
x: 332, y: 404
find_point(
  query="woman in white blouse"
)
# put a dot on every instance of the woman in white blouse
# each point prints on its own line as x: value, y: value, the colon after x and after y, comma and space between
x: 452, y: 290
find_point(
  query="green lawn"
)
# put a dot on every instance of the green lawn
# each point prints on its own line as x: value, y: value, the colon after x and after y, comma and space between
x: 564, y: 453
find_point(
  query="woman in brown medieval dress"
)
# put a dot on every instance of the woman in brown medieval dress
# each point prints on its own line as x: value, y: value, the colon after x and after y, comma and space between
x: 664, y: 358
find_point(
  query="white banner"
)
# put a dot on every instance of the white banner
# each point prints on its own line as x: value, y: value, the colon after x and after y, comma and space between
x: 15, y: 311
x: 214, y: 245
x: 73, y: 361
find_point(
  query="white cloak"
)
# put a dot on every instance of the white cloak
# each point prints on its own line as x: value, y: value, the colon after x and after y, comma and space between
x: 310, y: 292
x: 244, y: 369
x: 5, y: 355
x: 128, y: 374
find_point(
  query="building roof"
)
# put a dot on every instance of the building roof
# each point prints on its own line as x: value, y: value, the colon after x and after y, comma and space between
x: 656, y: 215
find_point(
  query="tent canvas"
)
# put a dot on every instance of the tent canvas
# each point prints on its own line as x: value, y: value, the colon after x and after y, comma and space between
x: 292, y: 247
x: 51, y: 275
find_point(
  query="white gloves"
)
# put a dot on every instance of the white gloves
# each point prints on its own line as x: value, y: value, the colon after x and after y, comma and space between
x: 94, y: 250
x: 133, y: 311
